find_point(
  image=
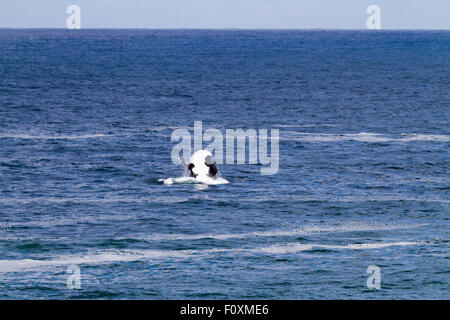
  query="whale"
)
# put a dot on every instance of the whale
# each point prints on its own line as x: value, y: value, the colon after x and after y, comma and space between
x: 201, y: 164
x: 201, y: 169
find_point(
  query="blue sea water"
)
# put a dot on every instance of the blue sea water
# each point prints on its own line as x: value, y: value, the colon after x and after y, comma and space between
x: 86, y: 118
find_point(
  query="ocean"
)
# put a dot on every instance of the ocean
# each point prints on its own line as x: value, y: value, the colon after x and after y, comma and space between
x: 86, y: 118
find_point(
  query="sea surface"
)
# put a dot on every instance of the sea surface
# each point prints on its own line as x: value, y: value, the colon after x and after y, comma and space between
x: 86, y: 118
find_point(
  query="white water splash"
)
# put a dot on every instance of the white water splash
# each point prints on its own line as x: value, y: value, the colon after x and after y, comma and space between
x: 190, y: 180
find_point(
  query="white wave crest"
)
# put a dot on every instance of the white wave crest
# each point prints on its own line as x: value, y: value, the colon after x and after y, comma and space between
x: 153, y: 199
x: 297, y: 247
x: 178, y: 199
x: 303, y: 125
x: 53, y: 137
x: 190, y: 180
x: 350, y: 199
x: 91, y: 259
x: 363, y: 137
x: 301, y: 231
x: 138, y: 255
x: 161, y: 128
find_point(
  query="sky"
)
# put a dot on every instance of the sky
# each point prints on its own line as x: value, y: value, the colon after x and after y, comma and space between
x: 241, y: 14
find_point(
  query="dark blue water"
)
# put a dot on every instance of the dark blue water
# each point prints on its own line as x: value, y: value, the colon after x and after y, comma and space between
x: 85, y: 124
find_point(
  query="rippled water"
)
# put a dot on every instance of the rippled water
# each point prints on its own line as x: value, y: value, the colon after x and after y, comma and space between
x: 85, y: 125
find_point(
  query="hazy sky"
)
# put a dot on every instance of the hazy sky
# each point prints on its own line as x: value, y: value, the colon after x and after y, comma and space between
x: 331, y: 14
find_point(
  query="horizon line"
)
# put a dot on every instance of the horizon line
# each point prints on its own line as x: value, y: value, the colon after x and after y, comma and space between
x: 224, y: 29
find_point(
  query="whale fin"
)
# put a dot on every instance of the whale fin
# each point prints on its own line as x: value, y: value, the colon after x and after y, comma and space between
x: 186, y: 163
x: 189, y: 167
x: 209, y: 162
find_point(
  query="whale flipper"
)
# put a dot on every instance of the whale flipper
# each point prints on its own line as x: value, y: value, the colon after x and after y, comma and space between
x: 189, y: 167
x: 186, y: 163
x: 209, y: 162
